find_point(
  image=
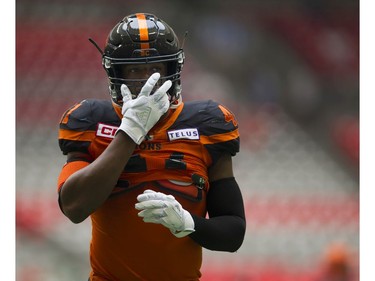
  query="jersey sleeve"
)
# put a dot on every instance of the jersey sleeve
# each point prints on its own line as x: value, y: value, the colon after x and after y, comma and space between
x: 220, y: 131
x: 77, y: 128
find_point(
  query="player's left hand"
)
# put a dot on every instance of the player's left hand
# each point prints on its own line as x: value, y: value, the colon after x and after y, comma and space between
x: 143, y: 112
x: 157, y: 207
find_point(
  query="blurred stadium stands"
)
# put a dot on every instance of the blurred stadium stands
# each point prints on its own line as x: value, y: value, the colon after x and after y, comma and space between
x: 288, y: 69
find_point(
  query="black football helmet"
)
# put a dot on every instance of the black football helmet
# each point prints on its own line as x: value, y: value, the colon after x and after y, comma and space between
x: 139, y: 39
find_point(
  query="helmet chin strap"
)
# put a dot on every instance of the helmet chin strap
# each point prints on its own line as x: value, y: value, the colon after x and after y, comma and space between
x: 176, y: 103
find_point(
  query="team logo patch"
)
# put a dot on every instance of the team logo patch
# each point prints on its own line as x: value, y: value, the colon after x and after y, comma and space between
x: 106, y: 131
x: 191, y: 134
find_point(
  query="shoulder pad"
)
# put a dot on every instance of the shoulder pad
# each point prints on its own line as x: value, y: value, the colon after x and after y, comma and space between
x: 209, y: 116
x: 86, y: 114
x: 79, y: 123
x: 217, y: 126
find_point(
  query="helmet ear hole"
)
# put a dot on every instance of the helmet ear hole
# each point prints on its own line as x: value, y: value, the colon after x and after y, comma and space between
x: 140, y: 39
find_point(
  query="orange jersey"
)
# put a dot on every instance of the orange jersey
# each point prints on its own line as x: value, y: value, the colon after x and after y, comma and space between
x: 174, y: 159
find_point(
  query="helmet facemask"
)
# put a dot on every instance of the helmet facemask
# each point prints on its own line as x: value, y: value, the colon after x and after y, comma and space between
x: 114, y: 69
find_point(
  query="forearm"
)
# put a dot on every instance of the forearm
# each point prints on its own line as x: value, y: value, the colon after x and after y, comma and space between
x: 224, y: 230
x: 225, y: 233
x: 87, y: 189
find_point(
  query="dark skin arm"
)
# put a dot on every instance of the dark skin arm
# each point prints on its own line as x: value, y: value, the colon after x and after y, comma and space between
x: 87, y: 189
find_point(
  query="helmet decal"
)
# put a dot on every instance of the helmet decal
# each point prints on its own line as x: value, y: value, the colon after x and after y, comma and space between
x: 143, y: 32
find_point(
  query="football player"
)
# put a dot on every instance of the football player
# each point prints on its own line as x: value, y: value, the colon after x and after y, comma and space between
x: 153, y: 173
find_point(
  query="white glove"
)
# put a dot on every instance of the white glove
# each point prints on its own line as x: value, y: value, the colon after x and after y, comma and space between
x: 142, y: 113
x: 157, y: 207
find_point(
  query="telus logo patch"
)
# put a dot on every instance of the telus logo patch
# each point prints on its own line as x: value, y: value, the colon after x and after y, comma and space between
x: 191, y: 134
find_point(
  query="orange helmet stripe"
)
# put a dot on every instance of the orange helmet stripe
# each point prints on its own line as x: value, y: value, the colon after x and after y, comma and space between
x: 143, y: 30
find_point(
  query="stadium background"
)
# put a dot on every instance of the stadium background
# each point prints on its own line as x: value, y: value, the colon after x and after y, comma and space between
x: 290, y: 72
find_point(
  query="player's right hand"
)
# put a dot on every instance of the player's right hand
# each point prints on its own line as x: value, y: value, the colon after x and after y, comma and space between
x: 159, y: 208
x: 143, y: 112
